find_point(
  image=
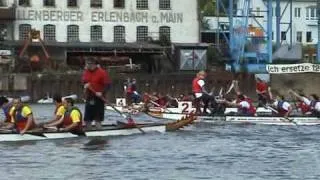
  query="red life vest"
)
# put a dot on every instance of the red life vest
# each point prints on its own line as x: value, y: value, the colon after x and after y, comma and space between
x: 247, y: 111
x: 196, y: 88
x: 281, y: 111
x: 261, y: 86
x: 68, y: 121
x: 304, y: 107
x: 20, y: 121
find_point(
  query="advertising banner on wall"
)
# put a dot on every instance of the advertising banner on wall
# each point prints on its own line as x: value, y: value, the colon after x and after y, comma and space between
x: 293, y: 68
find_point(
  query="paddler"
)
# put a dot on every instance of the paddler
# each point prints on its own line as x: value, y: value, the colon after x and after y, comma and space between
x: 59, y: 110
x: 8, y: 110
x: 244, y: 105
x: 281, y: 106
x: 71, y: 119
x: 23, y: 116
x: 312, y: 102
x: 96, y: 84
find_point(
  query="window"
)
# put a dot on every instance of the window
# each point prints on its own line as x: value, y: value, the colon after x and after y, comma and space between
x: 272, y: 35
x: 49, y: 32
x: 164, y: 33
x: 307, y: 13
x: 142, y: 33
x: 96, y: 3
x: 283, y: 35
x: 164, y: 4
x: 24, y: 30
x: 299, y: 36
x: 309, y: 36
x: 72, y: 3
x: 48, y: 3
x: 24, y: 2
x: 96, y: 33
x: 119, y: 34
x: 73, y: 33
x: 297, y: 12
x: 142, y: 4
x: 118, y: 4
x: 3, y: 3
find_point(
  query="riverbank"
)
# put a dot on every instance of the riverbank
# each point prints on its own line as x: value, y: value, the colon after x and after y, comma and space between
x: 38, y: 85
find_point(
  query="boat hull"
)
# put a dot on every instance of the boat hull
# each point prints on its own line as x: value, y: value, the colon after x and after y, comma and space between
x: 121, y: 129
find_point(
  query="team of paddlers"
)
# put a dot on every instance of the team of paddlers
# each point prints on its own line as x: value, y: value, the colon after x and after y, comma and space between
x: 19, y: 116
x: 204, y: 100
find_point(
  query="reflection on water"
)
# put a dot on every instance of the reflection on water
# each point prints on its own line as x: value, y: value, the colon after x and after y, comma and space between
x: 98, y: 143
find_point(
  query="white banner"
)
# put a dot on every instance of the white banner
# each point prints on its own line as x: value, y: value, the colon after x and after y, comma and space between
x: 292, y: 68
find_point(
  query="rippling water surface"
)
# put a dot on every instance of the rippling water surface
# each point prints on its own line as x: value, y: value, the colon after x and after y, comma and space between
x: 202, y: 151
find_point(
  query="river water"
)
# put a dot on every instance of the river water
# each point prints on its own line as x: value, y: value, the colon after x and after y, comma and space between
x: 201, y: 151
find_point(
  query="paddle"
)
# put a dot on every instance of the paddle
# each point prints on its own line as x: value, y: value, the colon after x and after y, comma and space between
x: 275, y: 111
x: 129, y: 119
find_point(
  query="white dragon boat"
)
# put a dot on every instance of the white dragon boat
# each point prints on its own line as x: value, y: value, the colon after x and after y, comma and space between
x: 106, y: 130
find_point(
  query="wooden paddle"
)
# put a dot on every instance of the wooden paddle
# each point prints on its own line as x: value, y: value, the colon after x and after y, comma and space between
x: 129, y: 119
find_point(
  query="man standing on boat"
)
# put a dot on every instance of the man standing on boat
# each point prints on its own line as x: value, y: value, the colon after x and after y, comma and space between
x: 200, y: 93
x: 96, y: 84
x: 262, y: 92
x: 8, y: 110
x: 23, y: 116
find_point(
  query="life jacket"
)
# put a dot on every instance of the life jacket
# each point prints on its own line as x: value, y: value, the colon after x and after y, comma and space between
x: 247, y: 111
x: 162, y: 101
x: 281, y: 111
x: 67, y: 119
x: 6, y: 110
x: 19, y: 120
x: 129, y: 89
x: 57, y: 108
x: 303, y: 107
x: 196, y: 88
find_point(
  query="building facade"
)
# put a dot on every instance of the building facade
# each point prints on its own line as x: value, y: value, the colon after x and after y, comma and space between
x: 107, y: 27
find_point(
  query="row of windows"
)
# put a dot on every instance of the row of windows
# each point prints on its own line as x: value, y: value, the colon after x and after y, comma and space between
x: 299, y: 36
x: 311, y: 12
x: 119, y: 32
x: 141, y: 4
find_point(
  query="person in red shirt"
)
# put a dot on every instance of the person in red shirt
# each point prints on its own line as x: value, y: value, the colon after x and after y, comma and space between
x: 262, y: 92
x: 96, y: 84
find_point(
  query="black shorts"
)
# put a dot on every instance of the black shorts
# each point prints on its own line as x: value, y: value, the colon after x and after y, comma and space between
x: 94, y: 110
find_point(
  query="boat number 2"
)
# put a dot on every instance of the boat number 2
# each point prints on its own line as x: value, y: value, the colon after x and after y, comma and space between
x: 185, y: 107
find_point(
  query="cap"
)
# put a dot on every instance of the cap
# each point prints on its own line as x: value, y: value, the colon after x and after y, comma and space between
x: 91, y: 61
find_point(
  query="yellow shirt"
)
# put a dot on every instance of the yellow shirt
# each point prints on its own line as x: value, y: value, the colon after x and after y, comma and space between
x: 11, y: 111
x: 26, y: 111
x: 75, y: 116
x: 60, y: 111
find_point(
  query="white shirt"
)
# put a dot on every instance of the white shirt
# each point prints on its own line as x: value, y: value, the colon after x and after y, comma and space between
x: 317, y: 106
x: 201, y: 83
x: 306, y: 101
x: 244, y: 104
x: 285, y: 105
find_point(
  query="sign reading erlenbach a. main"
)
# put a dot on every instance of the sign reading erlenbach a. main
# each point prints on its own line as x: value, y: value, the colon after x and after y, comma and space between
x: 100, y: 16
x: 293, y: 68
